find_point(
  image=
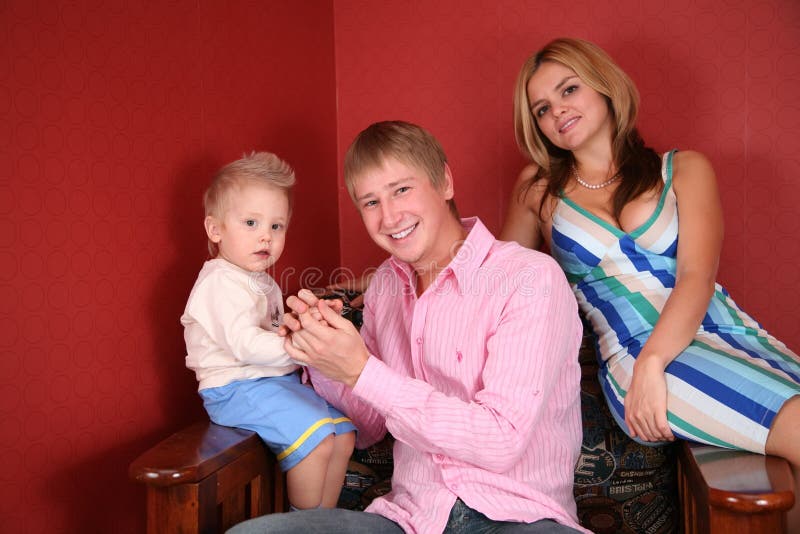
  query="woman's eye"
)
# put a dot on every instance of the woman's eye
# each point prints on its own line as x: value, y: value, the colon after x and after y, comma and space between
x: 541, y: 111
x: 571, y: 89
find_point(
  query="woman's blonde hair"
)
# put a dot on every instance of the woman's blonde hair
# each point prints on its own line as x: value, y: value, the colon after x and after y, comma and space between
x: 595, y: 68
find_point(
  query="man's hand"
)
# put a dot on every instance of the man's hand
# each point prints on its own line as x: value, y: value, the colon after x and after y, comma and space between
x: 319, y: 337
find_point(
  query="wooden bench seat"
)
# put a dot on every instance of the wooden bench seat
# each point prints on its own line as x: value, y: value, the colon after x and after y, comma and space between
x: 206, y: 478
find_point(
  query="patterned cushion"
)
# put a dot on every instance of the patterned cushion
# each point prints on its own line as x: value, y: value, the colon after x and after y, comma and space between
x: 368, y: 476
x: 620, y: 485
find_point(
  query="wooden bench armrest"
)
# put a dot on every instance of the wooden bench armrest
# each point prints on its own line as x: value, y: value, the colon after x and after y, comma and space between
x: 206, y: 478
x: 724, y: 491
x: 191, y: 454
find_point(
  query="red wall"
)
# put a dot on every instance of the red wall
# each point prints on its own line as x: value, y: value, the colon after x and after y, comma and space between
x: 112, y: 118
x: 718, y: 76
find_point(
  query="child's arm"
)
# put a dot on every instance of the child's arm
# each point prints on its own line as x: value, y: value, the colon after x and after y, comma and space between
x: 232, y: 314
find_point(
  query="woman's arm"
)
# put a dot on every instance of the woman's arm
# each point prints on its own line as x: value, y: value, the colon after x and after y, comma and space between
x: 699, y: 244
x: 522, y: 222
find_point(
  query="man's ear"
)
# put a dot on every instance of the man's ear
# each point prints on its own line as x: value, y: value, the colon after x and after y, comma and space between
x: 213, y: 229
x: 447, y: 187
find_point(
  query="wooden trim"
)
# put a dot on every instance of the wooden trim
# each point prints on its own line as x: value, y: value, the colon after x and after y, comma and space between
x: 724, y: 491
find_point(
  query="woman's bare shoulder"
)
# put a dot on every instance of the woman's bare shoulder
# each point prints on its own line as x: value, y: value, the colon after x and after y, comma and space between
x: 691, y: 168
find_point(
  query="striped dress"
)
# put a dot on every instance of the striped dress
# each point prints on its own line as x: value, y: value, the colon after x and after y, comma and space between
x: 726, y: 387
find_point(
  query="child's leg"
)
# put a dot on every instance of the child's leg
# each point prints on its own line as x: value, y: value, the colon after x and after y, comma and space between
x: 306, y: 480
x: 337, y: 467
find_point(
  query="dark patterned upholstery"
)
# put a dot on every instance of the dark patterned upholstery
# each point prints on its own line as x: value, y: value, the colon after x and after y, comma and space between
x: 620, y: 485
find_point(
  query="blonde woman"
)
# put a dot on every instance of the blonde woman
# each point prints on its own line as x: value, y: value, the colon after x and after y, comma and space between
x: 679, y: 357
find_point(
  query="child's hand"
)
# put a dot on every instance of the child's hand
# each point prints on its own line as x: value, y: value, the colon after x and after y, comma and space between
x: 335, y: 348
x: 305, y: 301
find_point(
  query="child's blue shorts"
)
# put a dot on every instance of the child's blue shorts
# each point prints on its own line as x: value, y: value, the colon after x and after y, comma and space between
x: 290, y: 417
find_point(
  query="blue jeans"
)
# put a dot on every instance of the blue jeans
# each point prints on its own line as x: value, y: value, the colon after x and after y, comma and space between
x: 339, y: 521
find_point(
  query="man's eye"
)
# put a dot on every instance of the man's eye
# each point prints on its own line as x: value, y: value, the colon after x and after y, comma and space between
x: 403, y: 189
x: 370, y: 203
x: 250, y: 222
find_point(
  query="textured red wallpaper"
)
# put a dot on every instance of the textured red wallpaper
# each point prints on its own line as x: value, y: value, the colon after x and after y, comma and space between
x: 113, y: 115
x: 716, y: 76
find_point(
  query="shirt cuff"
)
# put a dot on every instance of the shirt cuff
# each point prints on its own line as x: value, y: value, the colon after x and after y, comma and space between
x: 373, y: 386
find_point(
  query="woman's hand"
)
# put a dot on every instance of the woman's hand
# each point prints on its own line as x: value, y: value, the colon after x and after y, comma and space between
x: 646, y: 401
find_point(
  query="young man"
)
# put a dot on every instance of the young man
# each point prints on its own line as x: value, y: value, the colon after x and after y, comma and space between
x: 468, y: 356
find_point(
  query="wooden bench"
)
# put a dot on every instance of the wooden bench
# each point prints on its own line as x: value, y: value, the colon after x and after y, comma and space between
x: 207, y: 478
x: 731, y: 492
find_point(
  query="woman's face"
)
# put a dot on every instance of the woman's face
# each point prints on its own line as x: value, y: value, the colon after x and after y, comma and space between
x: 569, y: 113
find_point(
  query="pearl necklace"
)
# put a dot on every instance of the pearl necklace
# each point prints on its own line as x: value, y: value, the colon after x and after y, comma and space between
x: 587, y: 185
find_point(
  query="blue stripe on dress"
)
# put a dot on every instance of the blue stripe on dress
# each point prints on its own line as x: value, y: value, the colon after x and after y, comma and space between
x: 732, y: 371
x: 567, y: 244
x: 612, y: 315
x: 672, y: 250
x: 762, y: 354
x: 652, y: 264
x: 746, y: 406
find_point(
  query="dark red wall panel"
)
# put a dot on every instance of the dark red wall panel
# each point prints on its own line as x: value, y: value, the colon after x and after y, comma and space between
x: 715, y: 76
x: 113, y: 116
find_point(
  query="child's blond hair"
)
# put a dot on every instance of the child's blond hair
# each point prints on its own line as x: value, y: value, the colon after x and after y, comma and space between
x: 261, y: 168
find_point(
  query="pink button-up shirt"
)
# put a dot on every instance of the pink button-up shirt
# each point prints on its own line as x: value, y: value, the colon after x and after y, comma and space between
x: 478, y: 381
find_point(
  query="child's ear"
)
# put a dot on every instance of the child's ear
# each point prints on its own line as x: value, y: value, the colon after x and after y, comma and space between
x: 212, y: 229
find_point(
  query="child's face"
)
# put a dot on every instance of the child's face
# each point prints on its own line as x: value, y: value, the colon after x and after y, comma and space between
x: 252, y: 232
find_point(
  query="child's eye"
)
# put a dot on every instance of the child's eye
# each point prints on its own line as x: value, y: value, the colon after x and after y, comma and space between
x: 252, y: 223
x: 277, y: 226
